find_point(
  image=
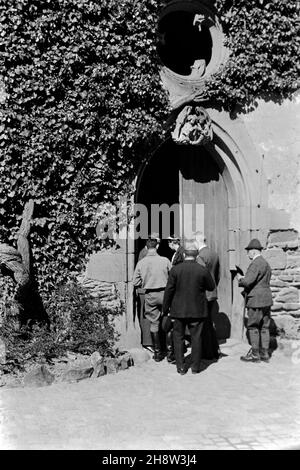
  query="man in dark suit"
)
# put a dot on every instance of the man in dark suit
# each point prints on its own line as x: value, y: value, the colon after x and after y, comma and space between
x: 185, y: 298
x: 258, y: 298
x: 175, y: 245
x: 210, y: 259
x: 178, y: 257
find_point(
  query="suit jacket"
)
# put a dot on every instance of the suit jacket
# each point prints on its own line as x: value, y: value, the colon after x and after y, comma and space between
x: 178, y: 258
x: 142, y: 253
x: 210, y: 259
x: 152, y: 271
x: 257, y: 284
x: 185, y: 290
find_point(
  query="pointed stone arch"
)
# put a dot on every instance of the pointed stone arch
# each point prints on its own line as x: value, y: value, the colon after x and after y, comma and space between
x: 234, y: 152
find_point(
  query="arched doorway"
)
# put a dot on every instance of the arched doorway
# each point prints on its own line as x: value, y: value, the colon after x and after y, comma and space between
x: 233, y: 160
x: 190, y: 181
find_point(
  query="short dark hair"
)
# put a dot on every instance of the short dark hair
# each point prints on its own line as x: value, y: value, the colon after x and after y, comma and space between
x: 150, y: 243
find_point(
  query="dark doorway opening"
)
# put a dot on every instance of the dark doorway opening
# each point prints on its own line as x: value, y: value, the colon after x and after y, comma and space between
x: 182, y: 43
x: 189, y: 176
x: 159, y: 184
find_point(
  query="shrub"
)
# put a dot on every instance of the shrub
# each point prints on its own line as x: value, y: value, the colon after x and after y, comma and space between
x: 79, y: 323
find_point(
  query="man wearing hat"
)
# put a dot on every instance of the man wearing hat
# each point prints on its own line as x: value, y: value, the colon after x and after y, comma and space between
x: 210, y: 259
x: 167, y: 324
x: 175, y: 245
x: 258, y: 298
x: 185, y: 302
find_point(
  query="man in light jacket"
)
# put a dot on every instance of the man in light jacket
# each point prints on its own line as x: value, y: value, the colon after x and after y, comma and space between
x: 151, y: 274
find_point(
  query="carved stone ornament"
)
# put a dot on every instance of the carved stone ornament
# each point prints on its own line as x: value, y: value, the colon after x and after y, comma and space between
x: 193, y: 126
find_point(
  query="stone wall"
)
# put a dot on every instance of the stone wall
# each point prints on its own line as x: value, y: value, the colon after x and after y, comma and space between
x: 273, y: 127
x: 107, y: 291
x: 283, y: 254
x: 274, y: 131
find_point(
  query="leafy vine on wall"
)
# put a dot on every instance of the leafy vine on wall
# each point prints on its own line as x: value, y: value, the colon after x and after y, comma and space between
x: 82, y: 106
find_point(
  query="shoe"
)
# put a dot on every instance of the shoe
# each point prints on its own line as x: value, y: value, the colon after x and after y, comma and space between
x: 251, y: 356
x: 159, y: 355
x: 181, y: 370
x: 264, y: 356
x: 170, y: 348
x: 171, y: 358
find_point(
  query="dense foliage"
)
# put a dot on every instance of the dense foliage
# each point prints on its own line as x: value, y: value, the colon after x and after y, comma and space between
x: 263, y: 39
x: 82, y: 106
x: 79, y: 323
x: 83, y: 103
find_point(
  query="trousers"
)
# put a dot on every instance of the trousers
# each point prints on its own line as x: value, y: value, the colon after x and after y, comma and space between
x: 153, y: 308
x: 195, y: 326
x: 258, y: 327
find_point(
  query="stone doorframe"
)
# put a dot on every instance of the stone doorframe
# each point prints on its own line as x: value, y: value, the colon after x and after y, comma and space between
x: 246, y: 185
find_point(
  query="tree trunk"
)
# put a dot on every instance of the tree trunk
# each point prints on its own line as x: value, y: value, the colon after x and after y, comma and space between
x: 17, y: 264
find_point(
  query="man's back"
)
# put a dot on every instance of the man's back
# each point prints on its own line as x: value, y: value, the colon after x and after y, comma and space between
x: 178, y: 256
x: 185, y: 291
x: 210, y: 260
x: 257, y: 283
x: 152, y: 271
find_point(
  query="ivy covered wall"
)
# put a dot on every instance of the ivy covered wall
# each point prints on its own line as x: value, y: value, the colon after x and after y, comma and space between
x: 82, y: 106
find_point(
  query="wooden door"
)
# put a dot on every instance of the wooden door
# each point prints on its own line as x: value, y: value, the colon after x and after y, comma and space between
x: 204, y: 202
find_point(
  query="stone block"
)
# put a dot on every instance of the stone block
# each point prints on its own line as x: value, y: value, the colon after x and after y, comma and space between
x: 77, y: 374
x: 289, y: 326
x: 291, y: 306
x: 286, y: 277
x: 139, y: 355
x: 278, y: 283
x: 293, y: 261
x: 125, y: 361
x: 283, y: 239
x: 276, y: 307
x: 38, y: 377
x: 288, y: 295
x: 123, y: 364
x: 295, y: 313
x: 107, y: 266
x: 99, y: 369
x: 276, y: 258
x: 111, y: 365
x: 275, y: 289
x: 293, y: 271
x: 95, y: 358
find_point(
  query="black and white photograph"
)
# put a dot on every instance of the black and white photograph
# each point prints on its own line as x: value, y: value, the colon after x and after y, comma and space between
x: 149, y: 228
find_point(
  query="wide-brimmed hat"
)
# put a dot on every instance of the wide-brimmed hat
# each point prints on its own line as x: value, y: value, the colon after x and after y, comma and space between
x: 254, y: 244
x: 173, y: 238
x: 190, y: 248
x: 154, y: 236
